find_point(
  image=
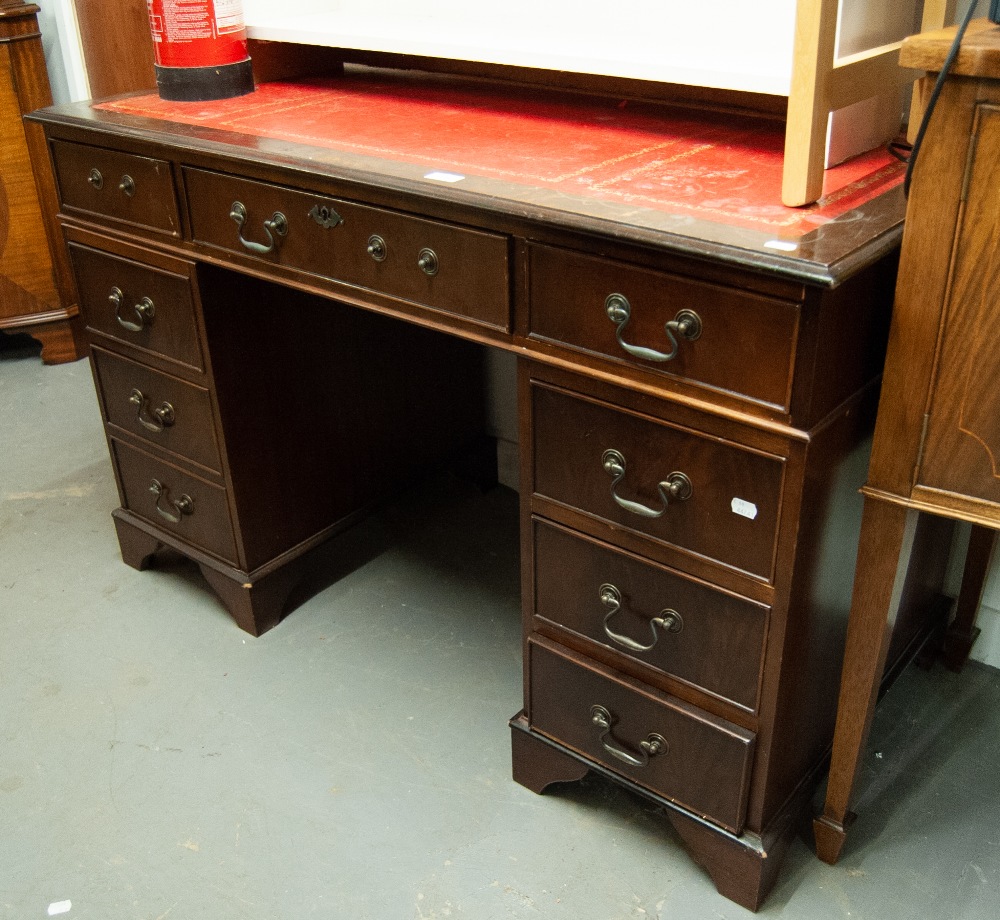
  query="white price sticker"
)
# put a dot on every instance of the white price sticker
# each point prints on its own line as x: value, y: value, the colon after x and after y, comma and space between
x: 744, y: 508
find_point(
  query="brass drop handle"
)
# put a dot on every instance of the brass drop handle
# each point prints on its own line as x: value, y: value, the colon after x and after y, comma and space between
x: 275, y: 227
x: 686, y: 324
x: 675, y: 488
x: 183, y: 505
x: 427, y: 262
x: 160, y: 418
x: 377, y: 248
x: 145, y: 310
x: 127, y: 185
x: 668, y: 620
x: 651, y: 746
x: 96, y: 179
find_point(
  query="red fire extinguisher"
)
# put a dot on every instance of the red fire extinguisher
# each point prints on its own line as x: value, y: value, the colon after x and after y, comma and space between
x: 200, y: 48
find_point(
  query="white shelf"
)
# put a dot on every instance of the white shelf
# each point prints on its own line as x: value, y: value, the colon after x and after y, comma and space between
x: 746, y: 46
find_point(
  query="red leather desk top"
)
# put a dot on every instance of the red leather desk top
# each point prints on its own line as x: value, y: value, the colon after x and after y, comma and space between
x: 725, y: 169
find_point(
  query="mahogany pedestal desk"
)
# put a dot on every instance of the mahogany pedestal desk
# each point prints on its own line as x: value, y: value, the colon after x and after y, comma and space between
x: 286, y: 297
x: 937, y: 439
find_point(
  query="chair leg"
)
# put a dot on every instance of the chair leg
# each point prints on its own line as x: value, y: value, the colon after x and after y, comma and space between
x: 962, y: 631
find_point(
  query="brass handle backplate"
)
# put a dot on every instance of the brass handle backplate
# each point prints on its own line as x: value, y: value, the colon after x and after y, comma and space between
x: 325, y: 216
x: 145, y: 310
x: 651, y: 746
x: 668, y: 620
x: 160, y: 418
x: 377, y: 248
x: 127, y: 185
x: 686, y: 324
x: 182, y: 505
x: 675, y: 488
x: 96, y: 179
x: 427, y: 261
x: 275, y: 227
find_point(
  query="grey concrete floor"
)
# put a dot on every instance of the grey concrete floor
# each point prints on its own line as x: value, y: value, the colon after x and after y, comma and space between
x: 155, y: 762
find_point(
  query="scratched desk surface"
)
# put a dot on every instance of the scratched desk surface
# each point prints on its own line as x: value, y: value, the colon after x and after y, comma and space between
x: 714, y: 178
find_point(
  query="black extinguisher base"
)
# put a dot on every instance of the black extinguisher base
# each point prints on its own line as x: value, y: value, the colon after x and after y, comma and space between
x: 199, y: 84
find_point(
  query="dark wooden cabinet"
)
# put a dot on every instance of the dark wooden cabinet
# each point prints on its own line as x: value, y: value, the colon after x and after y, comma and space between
x: 689, y: 471
x: 36, y: 289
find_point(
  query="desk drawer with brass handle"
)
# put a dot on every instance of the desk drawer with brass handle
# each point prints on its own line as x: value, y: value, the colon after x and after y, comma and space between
x: 125, y: 187
x: 728, y: 339
x: 187, y: 506
x: 457, y: 270
x: 705, y: 637
x: 148, y: 308
x: 677, y: 486
x: 165, y: 411
x: 688, y: 756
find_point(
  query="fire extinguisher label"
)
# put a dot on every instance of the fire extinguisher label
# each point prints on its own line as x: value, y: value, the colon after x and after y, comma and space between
x: 228, y: 15
x: 186, y: 21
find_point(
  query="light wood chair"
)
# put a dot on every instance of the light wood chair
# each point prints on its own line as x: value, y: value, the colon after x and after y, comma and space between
x: 823, y: 83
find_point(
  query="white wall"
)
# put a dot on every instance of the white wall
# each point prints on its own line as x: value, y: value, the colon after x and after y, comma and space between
x: 63, y: 54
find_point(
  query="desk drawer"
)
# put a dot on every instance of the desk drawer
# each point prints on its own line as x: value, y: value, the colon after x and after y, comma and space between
x: 467, y: 272
x: 624, y: 469
x: 701, y: 762
x: 193, y: 509
x: 164, y: 411
x: 707, y: 638
x: 115, y: 297
x: 745, y: 342
x: 122, y: 186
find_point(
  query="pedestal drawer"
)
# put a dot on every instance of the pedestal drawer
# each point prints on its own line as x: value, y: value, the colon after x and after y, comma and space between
x: 679, y: 752
x: 145, y: 307
x: 454, y: 269
x: 167, y: 412
x: 108, y: 183
x: 193, y: 509
x: 681, y: 487
x: 725, y: 338
x: 650, y: 614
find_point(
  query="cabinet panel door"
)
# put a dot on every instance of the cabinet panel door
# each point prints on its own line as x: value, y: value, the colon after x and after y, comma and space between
x: 26, y: 284
x: 962, y: 450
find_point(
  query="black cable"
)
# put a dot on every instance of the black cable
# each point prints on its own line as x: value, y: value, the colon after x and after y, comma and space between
x: 932, y: 101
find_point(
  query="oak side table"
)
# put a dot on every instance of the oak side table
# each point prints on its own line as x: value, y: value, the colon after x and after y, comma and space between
x: 937, y: 438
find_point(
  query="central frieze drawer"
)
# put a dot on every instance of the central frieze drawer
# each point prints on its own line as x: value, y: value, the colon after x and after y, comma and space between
x: 728, y: 339
x: 677, y: 486
x: 688, y: 756
x: 453, y: 269
x: 164, y: 411
x: 705, y: 637
x: 148, y: 308
x: 122, y: 186
x: 189, y: 507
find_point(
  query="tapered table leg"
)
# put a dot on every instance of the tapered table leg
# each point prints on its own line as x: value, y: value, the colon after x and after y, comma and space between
x: 878, y: 581
x: 963, y: 630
